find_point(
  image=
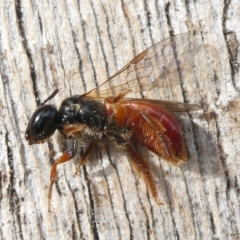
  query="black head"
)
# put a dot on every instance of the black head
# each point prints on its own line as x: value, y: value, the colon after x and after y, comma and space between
x: 42, y: 124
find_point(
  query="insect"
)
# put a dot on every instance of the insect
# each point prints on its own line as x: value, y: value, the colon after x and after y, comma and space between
x: 107, y: 112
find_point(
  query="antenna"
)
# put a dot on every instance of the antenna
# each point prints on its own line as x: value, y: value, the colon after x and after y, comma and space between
x: 50, y: 97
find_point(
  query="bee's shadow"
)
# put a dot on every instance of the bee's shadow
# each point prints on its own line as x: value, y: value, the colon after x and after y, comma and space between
x: 204, y: 153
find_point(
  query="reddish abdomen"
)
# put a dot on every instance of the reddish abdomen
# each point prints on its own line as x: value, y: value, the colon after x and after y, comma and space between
x: 153, y: 126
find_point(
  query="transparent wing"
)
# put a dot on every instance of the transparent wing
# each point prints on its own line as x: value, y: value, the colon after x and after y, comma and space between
x: 173, y: 106
x: 162, y: 65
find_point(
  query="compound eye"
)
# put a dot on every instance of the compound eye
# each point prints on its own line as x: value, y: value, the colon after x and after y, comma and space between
x: 42, y: 124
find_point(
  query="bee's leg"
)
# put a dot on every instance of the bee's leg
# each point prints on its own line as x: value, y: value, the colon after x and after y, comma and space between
x: 84, y: 157
x: 53, y: 175
x: 73, y: 130
x: 143, y: 169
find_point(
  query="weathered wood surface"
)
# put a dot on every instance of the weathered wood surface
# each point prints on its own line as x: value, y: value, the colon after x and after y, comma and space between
x: 73, y: 45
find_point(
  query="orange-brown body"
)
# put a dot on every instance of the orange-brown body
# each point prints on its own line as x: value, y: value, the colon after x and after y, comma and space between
x: 150, y: 124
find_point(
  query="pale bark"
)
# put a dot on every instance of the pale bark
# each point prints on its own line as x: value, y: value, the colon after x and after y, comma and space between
x: 74, y: 45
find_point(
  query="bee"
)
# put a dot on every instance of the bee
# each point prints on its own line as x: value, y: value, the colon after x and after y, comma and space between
x: 108, y: 113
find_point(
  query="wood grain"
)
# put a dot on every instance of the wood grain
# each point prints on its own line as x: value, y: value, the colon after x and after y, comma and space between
x: 75, y: 45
